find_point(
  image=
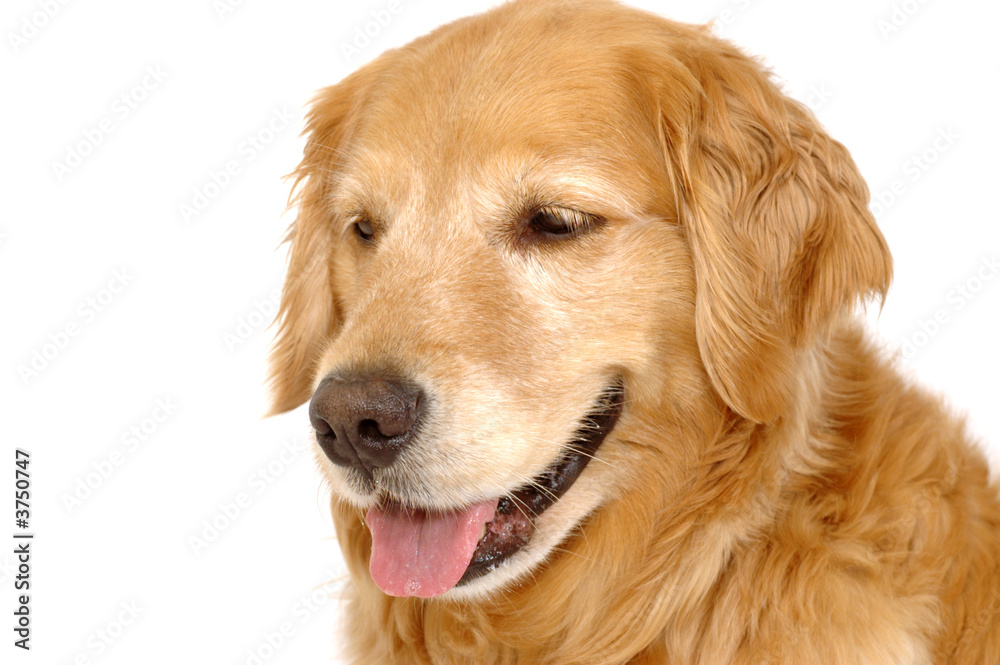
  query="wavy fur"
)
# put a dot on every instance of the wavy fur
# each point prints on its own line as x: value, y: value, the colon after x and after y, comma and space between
x: 774, y: 492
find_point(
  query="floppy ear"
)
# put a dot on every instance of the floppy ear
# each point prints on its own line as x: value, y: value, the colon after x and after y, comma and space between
x: 308, y: 315
x: 777, y: 217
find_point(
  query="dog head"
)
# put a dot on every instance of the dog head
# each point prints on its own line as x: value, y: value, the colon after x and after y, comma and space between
x: 553, y: 234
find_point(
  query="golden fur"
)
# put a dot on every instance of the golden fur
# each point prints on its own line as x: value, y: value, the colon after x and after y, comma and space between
x: 774, y: 492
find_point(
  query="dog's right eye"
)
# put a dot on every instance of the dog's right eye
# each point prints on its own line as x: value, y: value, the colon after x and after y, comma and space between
x: 364, y: 229
x: 550, y: 223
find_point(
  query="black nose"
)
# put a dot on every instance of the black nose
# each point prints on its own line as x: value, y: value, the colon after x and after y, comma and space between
x: 365, y: 423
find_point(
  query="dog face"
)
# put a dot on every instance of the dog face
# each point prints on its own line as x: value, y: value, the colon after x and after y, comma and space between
x: 543, y: 237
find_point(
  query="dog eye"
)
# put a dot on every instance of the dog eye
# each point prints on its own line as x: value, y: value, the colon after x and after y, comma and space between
x: 553, y: 223
x: 364, y: 229
x: 545, y: 221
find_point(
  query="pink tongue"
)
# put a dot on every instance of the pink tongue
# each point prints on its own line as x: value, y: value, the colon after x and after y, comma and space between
x: 424, y: 554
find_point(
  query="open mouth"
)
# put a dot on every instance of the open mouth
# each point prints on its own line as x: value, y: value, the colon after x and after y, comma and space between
x: 420, y: 553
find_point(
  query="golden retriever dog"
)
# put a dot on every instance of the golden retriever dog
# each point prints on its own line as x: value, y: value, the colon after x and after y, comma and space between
x: 572, y: 296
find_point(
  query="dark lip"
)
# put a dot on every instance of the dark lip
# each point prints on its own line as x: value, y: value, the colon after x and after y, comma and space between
x: 513, y: 524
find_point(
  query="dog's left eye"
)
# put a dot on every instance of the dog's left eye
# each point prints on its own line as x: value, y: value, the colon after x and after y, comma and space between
x: 364, y: 229
x: 553, y: 223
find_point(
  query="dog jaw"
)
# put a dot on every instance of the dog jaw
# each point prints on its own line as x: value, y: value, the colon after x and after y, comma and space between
x: 415, y: 545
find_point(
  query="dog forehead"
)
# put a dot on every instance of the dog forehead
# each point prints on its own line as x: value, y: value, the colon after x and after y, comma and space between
x: 512, y: 118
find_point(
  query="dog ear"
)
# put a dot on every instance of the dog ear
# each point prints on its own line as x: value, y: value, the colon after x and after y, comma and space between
x: 777, y: 218
x: 308, y: 314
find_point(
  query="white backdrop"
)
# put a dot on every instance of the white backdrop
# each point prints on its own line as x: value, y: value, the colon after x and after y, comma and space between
x: 143, y: 207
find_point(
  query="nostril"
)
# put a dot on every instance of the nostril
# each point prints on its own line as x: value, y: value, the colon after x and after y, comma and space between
x: 368, y: 429
x: 321, y: 426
